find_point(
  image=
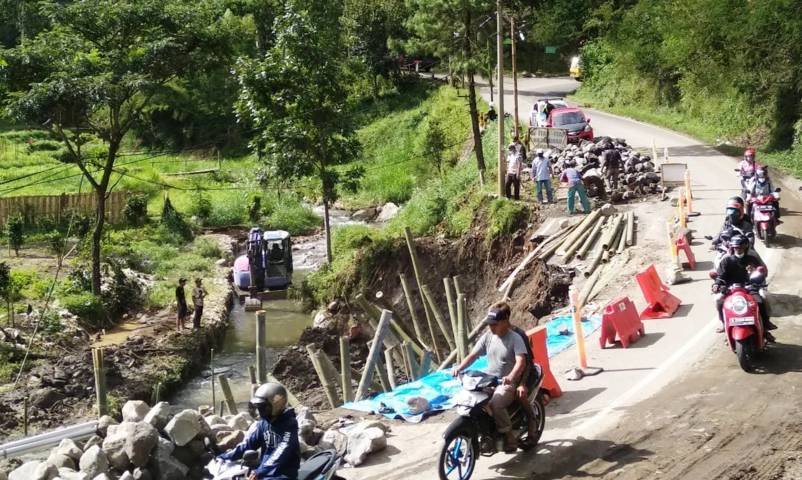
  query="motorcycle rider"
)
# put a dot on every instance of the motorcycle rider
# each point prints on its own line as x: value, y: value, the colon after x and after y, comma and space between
x: 735, y: 221
x: 736, y: 269
x: 761, y: 186
x: 506, y: 359
x: 747, y: 169
x: 274, y: 434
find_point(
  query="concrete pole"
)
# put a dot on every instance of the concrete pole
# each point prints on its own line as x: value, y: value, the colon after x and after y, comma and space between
x: 514, y: 77
x: 502, y: 160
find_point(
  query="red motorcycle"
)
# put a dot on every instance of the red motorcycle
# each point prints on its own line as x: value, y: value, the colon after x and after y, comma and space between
x: 764, y: 216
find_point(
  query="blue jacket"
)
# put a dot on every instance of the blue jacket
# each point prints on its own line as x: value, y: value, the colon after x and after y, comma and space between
x: 278, y: 443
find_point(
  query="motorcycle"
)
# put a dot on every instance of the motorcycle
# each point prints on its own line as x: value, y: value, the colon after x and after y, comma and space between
x: 474, y: 432
x: 722, y: 248
x: 764, y: 215
x: 320, y: 466
x: 742, y: 323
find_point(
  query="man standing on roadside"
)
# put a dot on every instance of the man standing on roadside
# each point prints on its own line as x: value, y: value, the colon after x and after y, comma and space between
x: 611, y: 165
x: 182, y: 311
x: 574, y: 180
x: 541, y: 174
x: 512, y: 184
x: 198, y: 294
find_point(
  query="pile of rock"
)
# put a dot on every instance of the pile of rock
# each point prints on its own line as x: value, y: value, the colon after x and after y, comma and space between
x: 638, y: 175
x: 167, y: 443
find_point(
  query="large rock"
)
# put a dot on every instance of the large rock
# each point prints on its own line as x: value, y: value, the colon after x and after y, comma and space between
x: 163, y: 465
x: 184, y: 427
x: 44, y: 398
x: 69, y: 448
x: 363, y: 442
x: 93, y: 440
x: 114, y: 444
x: 159, y: 415
x: 94, y: 462
x: 213, y: 420
x: 135, y: 411
x: 333, y: 439
x: 228, y: 440
x: 364, y: 215
x: 34, y: 471
x: 389, y: 210
x: 141, y: 443
x: 69, y: 474
x: 306, y: 424
x: 240, y: 421
x: 60, y: 461
x: 104, y: 423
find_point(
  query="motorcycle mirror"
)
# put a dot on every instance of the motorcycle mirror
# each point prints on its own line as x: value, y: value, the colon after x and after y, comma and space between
x: 250, y: 458
x: 712, y: 274
x: 778, y: 189
x: 709, y: 237
x: 588, y: 119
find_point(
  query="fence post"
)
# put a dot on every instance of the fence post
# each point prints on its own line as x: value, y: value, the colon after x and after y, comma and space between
x: 100, y: 382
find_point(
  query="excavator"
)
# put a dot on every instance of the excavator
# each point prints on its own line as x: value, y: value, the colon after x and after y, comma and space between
x: 264, y: 271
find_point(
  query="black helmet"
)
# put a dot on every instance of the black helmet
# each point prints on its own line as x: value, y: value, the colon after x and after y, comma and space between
x: 270, y: 400
x: 739, y: 245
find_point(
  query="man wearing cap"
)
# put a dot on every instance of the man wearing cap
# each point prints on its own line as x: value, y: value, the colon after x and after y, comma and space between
x: 506, y: 359
x: 182, y: 311
x: 541, y: 173
x: 198, y: 294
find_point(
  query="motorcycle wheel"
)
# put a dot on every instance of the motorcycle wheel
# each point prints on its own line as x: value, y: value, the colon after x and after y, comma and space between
x: 540, y: 419
x: 457, y: 457
x: 745, y: 350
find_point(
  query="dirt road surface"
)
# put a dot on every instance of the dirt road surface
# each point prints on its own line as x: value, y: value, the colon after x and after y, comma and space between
x: 675, y: 405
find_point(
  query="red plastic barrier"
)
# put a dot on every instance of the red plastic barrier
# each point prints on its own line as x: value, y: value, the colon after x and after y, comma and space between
x: 620, y: 318
x: 660, y: 303
x: 537, y: 339
x: 682, y: 245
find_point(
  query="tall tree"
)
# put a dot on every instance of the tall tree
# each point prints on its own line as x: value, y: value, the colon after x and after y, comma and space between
x: 95, y: 71
x: 448, y: 29
x: 295, y: 98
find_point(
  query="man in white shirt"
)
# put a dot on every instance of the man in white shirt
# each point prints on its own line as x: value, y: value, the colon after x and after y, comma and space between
x: 516, y: 154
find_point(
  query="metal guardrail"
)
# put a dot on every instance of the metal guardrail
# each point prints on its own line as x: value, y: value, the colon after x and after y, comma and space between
x: 47, y: 439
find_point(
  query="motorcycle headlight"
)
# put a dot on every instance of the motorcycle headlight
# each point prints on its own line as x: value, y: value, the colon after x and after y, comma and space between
x: 739, y: 305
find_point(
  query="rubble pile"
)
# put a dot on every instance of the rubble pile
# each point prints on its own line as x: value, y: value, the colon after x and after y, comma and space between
x: 638, y: 175
x: 168, y: 443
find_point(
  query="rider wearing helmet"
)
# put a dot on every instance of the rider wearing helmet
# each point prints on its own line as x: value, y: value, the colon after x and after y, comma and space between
x: 275, y: 434
x: 747, y: 169
x: 735, y: 222
x: 736, y: 268
x: 761, y: 186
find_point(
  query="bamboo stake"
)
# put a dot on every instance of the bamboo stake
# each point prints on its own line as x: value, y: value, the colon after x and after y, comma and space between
x: 622, y: 240
x: 584, y: 225
x: 100, y: 382
x: 211, y: 367
x: 414, y: 366
x: 413, y: 255
x: 415, y: 321
x: 438, y: 315
x: 222, y: 409
x: 373, y: 355
x: 462, y: 340
x: 383, y: 380
x: 425, y: 364
x: 612, y: 232
x: 226, y: 388
x: 407, y: 368
x: 452, y: 309
x: 328, y: 367
x: 597, y: 258
x: 588, y: 286
x: 388, y: 362
x: 590, y: 239
x: 631, y: 229
x: 451, y: 356
x: 325, y: 381
x: 345, y: 369
x: 294, y: 402
x: 25, y: 416
x: 506, y: 285
x: 457, y: 284
x: 261, y: 353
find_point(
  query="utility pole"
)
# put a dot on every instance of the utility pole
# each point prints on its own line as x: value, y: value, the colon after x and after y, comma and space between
x: 502, y: 167
x: 515, y: 120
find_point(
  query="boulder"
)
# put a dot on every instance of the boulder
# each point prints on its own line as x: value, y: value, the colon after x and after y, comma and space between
x: 44, y: 398
x: 114, y: 444
x: 69, y: 448
x: 69, y: 474
x: 94, y: 462
x: 322, y: 319
x: 29, y: 471
x: 228, y: 440
x: 240, y: 421
x: 306, y: 424
x: 140, y: 443
x: 104, y: 423
x: 135, y: 411
x: 333, y: 439
x: 163, y: 465
x: 159, y: 415
x: 417, y: 405
x: 364, y: 215
x: 184, y: 427
x: 213, y: 420
x: 91, y: 442
x: 608, y: 210
x: 389, y: 211
x: 60, y: 461
x: 363, y: 442
x: 215, y: 429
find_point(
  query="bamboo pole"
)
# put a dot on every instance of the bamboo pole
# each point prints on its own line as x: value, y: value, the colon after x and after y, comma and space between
x: 100, y: 382
x: 457, y: 284
x: 414, y: 366
x: 345, y: 369
x: 261, y: 352
x: 609, y: 236
x: 588, y: 287
x: 25, y: 416
x: 226, y: 388
x: 631, y: 229
x: 597, y: 258
x: 438, y: 315
x: 578, y: 334
x: 622, y: 240
x: 590, y: 239
x: 391, y: 339
x: 382, y: 374
x: 388, y: 363
x: 584, y: 225
x: 451, y: 356
x: 413, y: 255
x: 415, y: 321
x: 211, y: 367
x: 328, y: 367
x: 452, y: 308
x: 425, y: 364
x: 373, y: 355
x: 548, y: 252
x: 294, y: 402
x: 222, y: 409
x: 325, y: 381
x: 462, y: 340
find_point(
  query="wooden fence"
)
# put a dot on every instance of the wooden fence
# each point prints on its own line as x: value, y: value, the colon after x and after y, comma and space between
x: 57, y: 206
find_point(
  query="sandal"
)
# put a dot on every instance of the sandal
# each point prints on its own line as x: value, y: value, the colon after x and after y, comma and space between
x: 527, y: 444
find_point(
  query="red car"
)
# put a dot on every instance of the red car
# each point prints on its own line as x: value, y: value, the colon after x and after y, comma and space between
x: 573, y: 120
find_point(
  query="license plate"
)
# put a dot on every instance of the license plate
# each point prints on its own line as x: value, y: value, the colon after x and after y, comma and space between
x: 742, y: 321
x: 765, y: 208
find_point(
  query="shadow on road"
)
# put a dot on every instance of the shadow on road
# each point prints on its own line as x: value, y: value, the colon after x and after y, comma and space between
x: 781, y: 358
x: 784, y: 305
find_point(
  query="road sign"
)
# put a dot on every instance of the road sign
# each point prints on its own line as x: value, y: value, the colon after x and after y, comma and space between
x: 540, y: 137
x: 551, y: 50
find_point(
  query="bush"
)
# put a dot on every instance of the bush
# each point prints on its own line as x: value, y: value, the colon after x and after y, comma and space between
x: 123, y: 294
x: 504, y: 217
x: 294, y: 217
x: 88, y: 308
x: 16, y: 235
x: 207, y: 248
x: 201, y: 206
x: 136, y: 211
x: 174, y: 222
x: 56, y: 243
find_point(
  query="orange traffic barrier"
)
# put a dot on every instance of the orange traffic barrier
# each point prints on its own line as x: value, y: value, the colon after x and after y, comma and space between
x: 682, y: 244
x: 660, y: 302
x: 537, y: 339
x: 621, y: 319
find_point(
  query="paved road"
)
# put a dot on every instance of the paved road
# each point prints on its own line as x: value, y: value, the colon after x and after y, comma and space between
x: 597, y: 427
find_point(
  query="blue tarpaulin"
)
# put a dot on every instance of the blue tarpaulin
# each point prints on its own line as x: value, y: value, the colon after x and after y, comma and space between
x: 439, y: 387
